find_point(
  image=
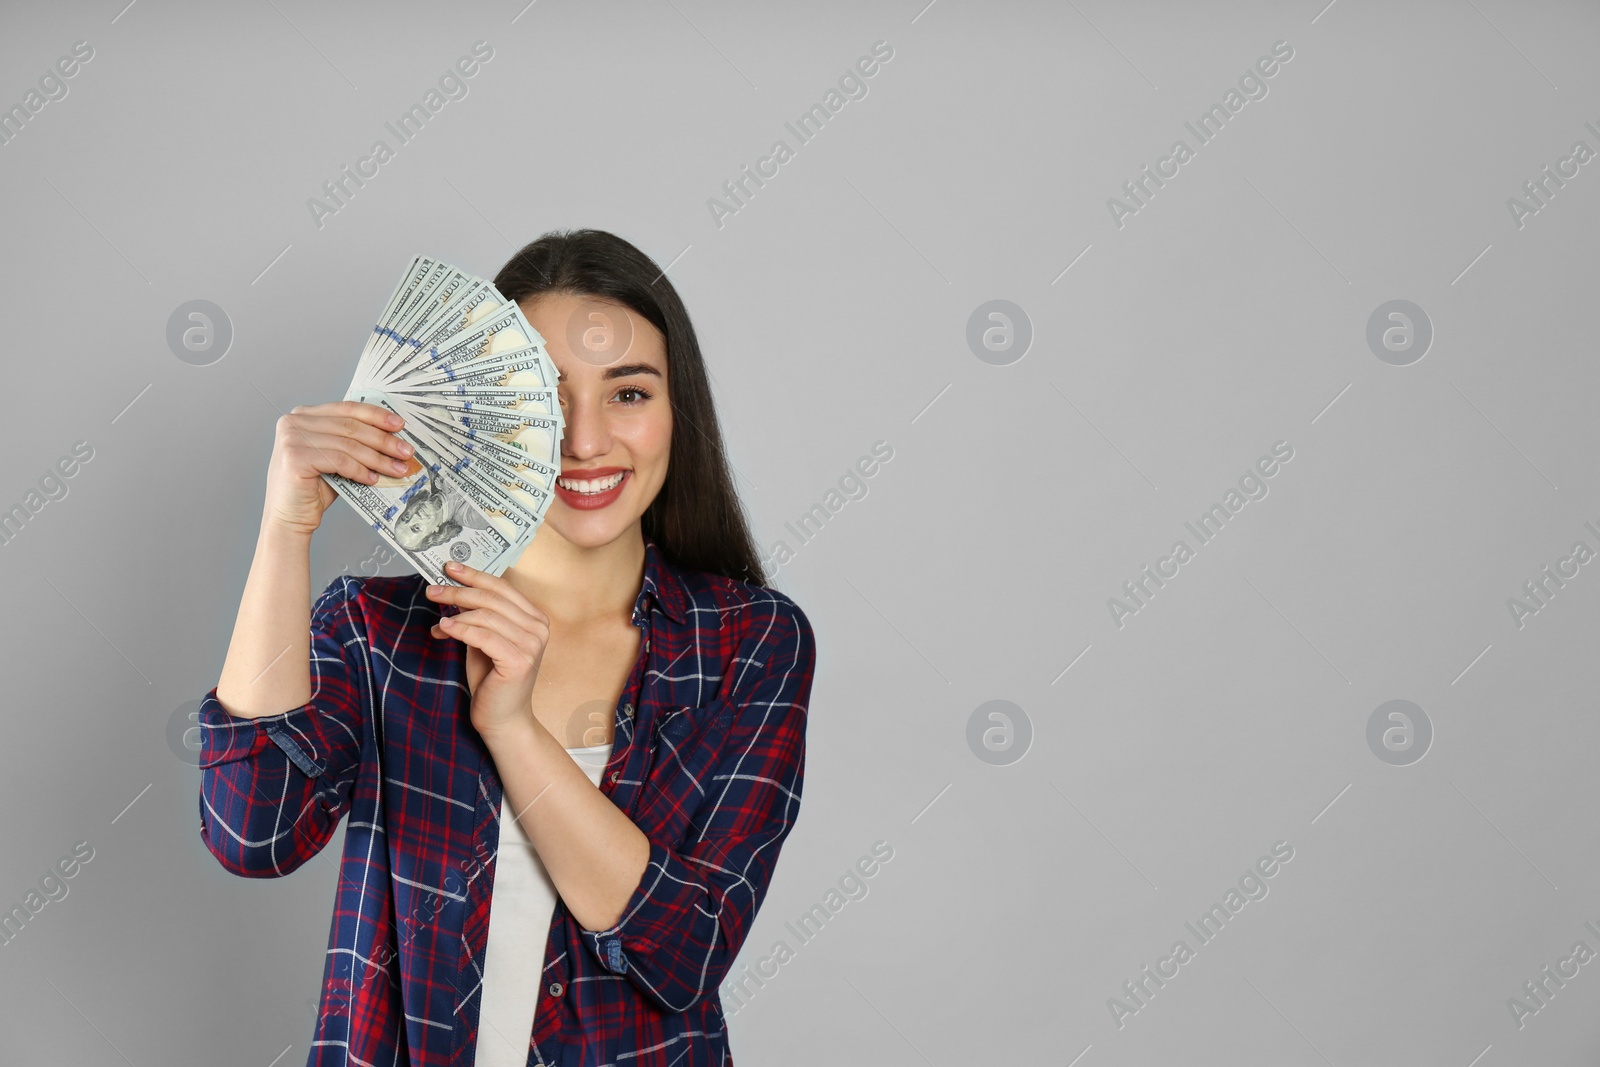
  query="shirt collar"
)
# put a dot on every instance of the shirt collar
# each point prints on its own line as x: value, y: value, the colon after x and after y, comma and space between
x: 661, y: 581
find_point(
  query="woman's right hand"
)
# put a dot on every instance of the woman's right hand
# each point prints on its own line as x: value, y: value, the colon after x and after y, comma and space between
x: 345, y: 437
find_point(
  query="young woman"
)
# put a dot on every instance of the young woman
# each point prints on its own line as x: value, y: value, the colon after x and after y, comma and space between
x: 567, y: 786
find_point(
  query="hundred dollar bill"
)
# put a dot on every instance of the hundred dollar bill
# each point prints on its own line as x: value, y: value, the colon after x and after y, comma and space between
x: 429, y: 312
x: 540, y: 438
x: 527, y: 493
x: 414, y: 273
x: 366, y: 366
x: 480, y: 299
x: 500, y: 331
x: 508, y: 513
x: 525, y: 484
x: 456, y: 304
x: 400, y: 336
x: 495, y: 421
x: 467, y: 464
x: 478, y: 390
x: 425, y: 284
x: 537, y: 435
x: 531, y: 401
x: 531, y: 452
x: 515, y: 460
x: 414, y: 296
x: 428, y: 518
x: 519, y: 368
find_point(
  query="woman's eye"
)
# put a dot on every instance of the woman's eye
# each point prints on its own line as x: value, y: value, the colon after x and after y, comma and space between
x: 630, y: 396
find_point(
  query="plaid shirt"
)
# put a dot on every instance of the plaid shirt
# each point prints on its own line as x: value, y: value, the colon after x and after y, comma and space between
x: 717, y: 701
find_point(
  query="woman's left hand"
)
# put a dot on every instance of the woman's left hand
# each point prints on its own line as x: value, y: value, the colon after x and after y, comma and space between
x: 505, y: 635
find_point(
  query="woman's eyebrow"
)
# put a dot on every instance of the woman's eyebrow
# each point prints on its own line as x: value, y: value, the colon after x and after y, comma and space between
x: 621, y: 371
x: 630, y: 368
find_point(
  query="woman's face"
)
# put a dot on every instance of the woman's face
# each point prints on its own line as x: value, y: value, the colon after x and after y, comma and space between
x: 613, y: 391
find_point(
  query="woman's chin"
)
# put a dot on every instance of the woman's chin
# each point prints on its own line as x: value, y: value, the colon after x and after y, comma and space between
x: 591, y: 529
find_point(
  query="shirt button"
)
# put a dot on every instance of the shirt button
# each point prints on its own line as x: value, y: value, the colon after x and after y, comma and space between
x: 555, y: 989
x: 627, y: 709
x: 614, y: 775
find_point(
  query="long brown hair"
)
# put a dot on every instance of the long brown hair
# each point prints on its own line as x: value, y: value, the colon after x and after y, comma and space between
x: 696, y: 519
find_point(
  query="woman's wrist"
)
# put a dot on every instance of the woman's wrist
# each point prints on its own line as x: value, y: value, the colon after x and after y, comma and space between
x: 275, y: 531
x: 523, y: 732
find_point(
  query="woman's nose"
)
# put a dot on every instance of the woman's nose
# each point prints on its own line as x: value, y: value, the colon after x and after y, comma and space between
x: 585, y: 432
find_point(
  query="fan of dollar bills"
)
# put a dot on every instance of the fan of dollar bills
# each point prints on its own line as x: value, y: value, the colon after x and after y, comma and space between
x: 461, y: 364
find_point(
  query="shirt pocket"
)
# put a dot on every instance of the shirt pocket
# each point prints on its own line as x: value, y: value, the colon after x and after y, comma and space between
x: 688, y: 743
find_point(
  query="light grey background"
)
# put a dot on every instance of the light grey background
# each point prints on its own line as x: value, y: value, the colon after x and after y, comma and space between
x: 1166, y: 756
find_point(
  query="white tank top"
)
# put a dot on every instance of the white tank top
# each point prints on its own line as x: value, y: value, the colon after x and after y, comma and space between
x: 521, y: 904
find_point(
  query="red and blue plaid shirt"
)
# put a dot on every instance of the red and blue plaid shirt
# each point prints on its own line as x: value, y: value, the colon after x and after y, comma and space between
x: 717, y: 705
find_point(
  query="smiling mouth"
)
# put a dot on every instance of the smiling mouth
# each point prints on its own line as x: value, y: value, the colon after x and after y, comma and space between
x: 591, y: 486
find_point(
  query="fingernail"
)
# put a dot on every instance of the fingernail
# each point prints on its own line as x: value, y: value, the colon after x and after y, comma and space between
x: 405, y: 448
x: 395, y: 420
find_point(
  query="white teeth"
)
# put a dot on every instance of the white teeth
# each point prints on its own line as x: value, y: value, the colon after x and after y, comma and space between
x: 597, y: 485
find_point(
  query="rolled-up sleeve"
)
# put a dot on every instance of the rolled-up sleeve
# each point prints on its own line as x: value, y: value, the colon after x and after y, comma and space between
x: 689, y: 916
x: 272, y: 789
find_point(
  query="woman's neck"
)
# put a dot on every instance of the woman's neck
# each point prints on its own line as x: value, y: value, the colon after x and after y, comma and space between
x: 578, y: 586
